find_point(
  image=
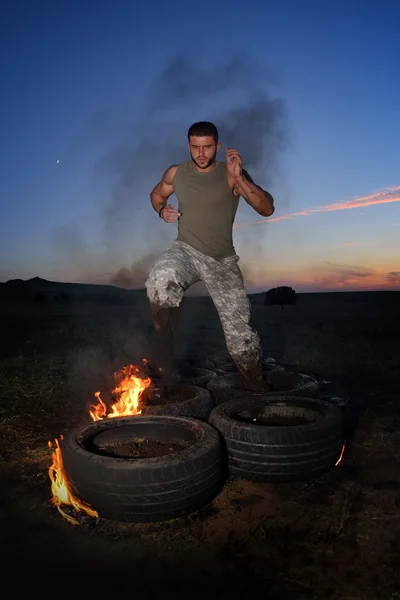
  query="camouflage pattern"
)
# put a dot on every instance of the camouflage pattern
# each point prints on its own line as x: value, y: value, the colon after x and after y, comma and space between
x: 180, y: 267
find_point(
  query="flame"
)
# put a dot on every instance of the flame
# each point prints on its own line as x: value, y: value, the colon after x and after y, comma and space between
x: 341, y: 455
x: 129, y: 389
x: 61, y: 489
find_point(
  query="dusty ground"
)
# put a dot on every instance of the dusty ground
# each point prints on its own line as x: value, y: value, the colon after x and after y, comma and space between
x: 336, y: 538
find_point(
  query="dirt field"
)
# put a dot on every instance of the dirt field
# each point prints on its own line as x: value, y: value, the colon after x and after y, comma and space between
x: 335, y: 538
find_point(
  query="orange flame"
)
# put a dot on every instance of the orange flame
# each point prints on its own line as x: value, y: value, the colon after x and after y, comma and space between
x: 341, y: 455
x: 61, y: 489
x: 129, y: 390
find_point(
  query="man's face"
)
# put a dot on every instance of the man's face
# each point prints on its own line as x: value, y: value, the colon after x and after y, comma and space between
x: 203, y: 150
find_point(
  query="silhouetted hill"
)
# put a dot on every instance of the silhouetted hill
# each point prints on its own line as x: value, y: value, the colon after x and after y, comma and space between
x: 39, y: 289
x: 321, y: 298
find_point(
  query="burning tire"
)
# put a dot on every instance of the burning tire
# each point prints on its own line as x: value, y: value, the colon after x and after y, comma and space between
x: 281, y: 439
x: 180, y: 399
x: 228, y: 387
x: 108, y: 465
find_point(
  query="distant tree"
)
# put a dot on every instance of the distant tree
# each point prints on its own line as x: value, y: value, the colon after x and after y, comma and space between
x: 40, y: 297
x: 281, y: 295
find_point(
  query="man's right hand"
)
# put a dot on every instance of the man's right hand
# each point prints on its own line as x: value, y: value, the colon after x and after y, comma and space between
x: 169, y: 214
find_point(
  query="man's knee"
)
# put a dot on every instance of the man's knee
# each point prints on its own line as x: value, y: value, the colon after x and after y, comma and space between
x: 163, y: 287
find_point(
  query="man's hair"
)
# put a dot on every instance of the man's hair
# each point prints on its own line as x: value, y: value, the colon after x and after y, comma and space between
x: 203, y: 129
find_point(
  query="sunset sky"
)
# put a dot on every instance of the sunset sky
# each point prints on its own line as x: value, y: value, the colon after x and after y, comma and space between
x: 97, y: 98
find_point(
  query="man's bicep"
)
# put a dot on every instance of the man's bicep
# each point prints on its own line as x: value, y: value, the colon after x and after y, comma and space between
x: 169, y: 175
x: 165, y: 187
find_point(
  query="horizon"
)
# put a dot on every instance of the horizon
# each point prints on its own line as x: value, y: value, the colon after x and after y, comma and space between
x: 196, y: 292
x: 90, y: 126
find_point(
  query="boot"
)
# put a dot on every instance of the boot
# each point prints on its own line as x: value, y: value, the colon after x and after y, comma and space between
x: 164, y: 320
x: 250, y: 376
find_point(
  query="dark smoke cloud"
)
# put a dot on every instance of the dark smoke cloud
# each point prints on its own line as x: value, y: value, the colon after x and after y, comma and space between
x: 135, y: 275
x: 248, y: 117
x: 182, y: 81
x: 237, y: 96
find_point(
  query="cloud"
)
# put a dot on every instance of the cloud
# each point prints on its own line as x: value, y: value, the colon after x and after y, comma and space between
x: 347, y: 244
x: 393, y: 277
x: 331, y: 275
x: 386, y: 196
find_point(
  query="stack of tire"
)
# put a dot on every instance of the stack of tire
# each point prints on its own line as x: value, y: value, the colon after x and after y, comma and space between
x: 227, y: 430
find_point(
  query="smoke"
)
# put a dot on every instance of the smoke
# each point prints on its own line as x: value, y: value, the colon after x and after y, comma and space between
x: 134, y: 276
x: 237, y: 96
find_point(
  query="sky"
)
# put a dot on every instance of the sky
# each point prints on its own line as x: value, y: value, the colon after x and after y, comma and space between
x: 97, y: 97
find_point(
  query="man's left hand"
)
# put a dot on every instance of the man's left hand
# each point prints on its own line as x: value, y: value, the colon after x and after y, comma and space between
x: 233, y: 163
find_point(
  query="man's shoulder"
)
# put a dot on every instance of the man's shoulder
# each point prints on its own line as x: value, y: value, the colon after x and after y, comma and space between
x: 182, y: 167
x: 171, y: 171
x: 185, y: 164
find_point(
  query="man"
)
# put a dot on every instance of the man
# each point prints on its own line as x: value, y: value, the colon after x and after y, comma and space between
x: 208, y: 194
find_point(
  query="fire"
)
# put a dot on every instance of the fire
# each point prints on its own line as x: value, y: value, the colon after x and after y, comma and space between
x: 341, y: 455
x: 61, y: 489
x: 129, y: 389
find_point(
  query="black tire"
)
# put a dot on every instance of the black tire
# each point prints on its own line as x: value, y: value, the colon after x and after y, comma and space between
x: 280, y: 453
x: 227, y: 387
x: 198, y: 363
x: 145, y: 489
x: 228, y: 366
x: 196, y: 376
x: 196, y: 401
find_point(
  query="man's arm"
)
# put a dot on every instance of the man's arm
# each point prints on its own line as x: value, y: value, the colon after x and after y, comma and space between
x: 259, y: 199
x: 163, y: 190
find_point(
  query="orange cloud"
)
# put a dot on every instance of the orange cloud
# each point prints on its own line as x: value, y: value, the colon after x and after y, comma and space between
x: 394, y: 278
x: 335, y: 275
x: 388, y: 195
x: 330, y: 276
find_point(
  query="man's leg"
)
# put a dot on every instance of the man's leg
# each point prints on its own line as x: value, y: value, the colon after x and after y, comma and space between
x: 224, y: 282
x: 168, y: 279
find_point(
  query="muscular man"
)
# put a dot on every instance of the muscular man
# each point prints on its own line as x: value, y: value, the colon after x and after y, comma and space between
x: 208, y: 194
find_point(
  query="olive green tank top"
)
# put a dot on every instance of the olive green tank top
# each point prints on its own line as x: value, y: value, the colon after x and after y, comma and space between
x: 208, y: 208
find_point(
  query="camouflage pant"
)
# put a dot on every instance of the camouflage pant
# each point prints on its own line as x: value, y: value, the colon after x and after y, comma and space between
x: 180, y: 267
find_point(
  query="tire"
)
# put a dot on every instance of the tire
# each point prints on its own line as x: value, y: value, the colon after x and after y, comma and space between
x: 280, y: 453
x: 226, y: 387
x: 144, y: 489
x: 196, y: 376
x: 198, y: 363
x: 196, y: 401
x: 228, y: 366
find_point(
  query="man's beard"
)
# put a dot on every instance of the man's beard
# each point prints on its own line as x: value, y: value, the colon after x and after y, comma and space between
x: 207, y: 164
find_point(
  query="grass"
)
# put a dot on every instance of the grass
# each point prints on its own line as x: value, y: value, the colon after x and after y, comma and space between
x: 334, y: 538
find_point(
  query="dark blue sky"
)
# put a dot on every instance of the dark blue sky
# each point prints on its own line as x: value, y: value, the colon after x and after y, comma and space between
x: 307, y: 91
